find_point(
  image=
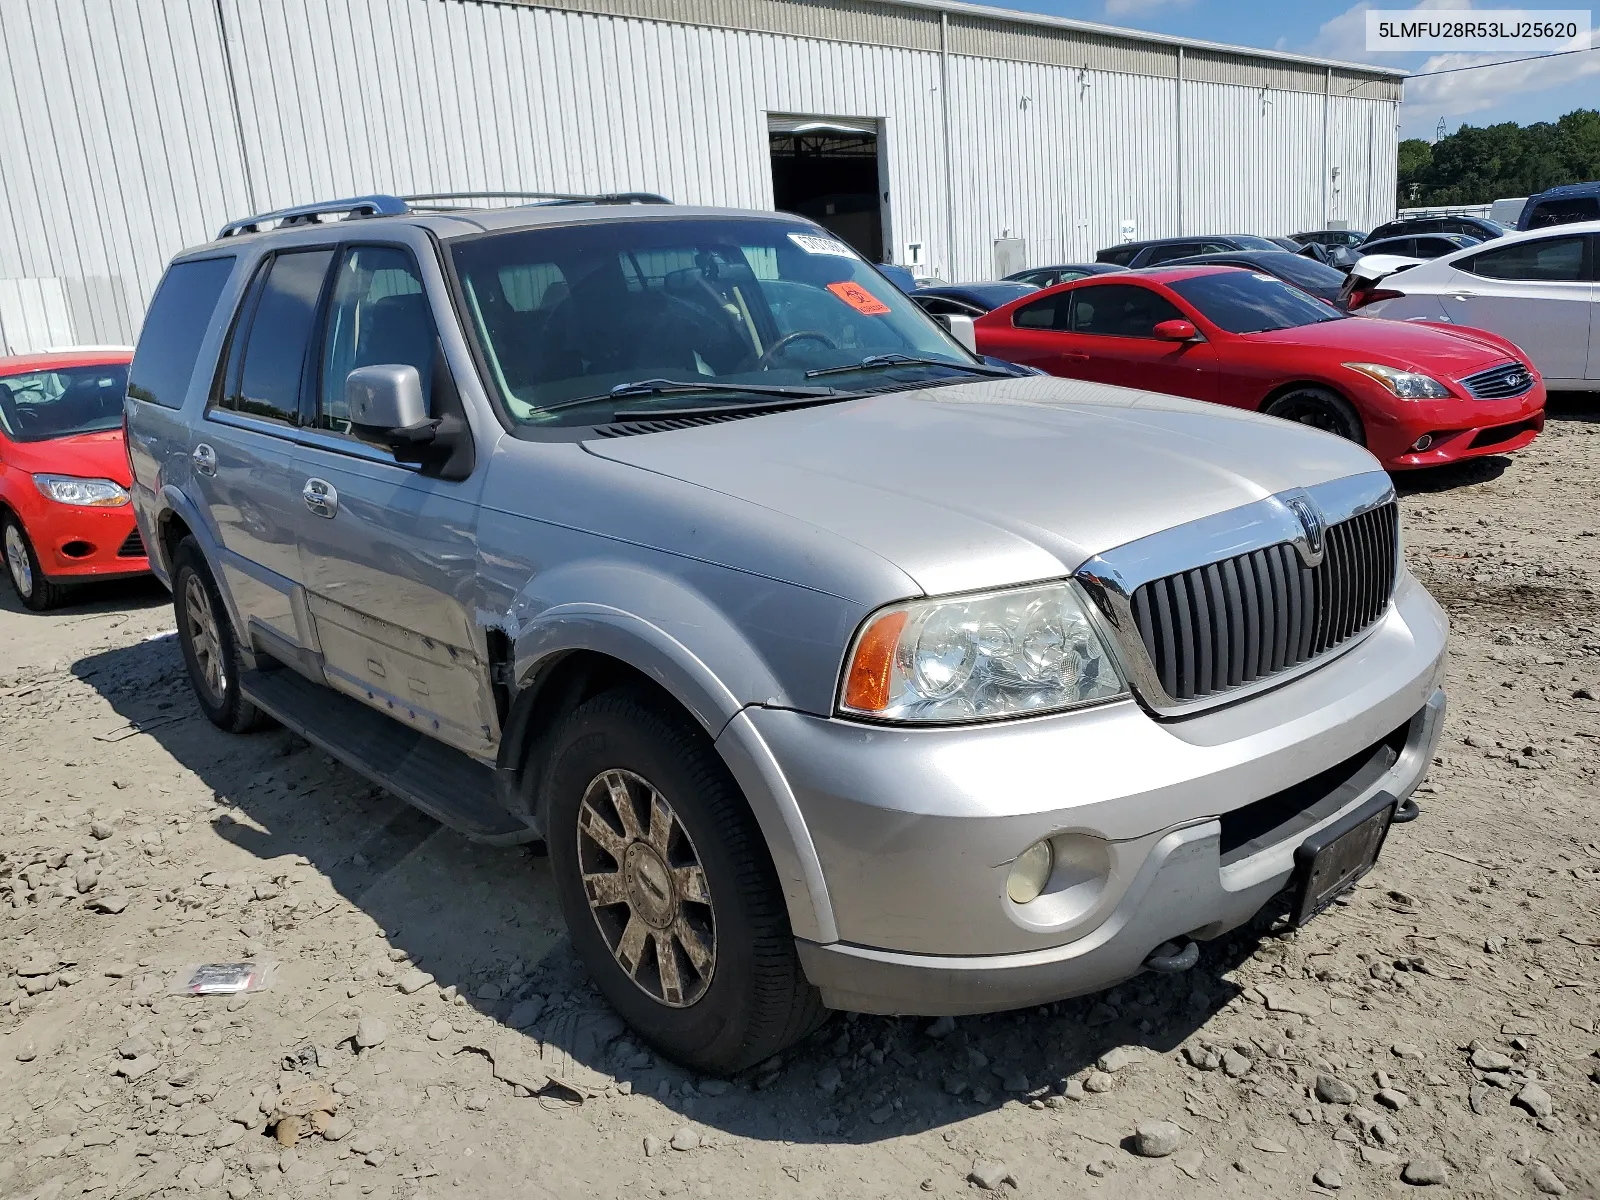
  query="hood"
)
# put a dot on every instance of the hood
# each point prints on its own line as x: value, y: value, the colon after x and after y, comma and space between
x: 87, y: 455
x: 1433, y: 349
x: 996, y: 482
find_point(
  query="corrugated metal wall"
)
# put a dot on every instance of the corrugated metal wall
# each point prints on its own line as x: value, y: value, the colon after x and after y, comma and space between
x: 147, y: 142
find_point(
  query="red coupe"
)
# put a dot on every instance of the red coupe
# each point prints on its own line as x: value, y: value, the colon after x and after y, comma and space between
x: 1415, y: 393
x: 64, y: 511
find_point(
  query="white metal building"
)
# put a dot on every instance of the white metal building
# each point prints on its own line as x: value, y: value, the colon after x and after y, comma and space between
x: 935, y: 132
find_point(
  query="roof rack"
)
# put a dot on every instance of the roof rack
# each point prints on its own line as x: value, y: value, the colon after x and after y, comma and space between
x: 397, y: 206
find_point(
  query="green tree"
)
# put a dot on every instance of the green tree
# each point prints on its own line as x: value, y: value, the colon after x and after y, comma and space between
x: 1477, y: 165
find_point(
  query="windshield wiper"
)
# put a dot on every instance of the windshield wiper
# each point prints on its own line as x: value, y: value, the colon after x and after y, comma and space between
x: 666, y: 387
x: 873, y: 361
x: 809, y: 398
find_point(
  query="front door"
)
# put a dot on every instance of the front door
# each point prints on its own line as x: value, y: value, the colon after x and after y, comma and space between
x: 388, y: 552
x: 1538, y: 293
x: 242, y: 454
x: 1112, y: 340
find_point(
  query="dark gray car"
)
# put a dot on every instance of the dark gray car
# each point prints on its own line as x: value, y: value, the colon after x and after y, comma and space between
x: 835, y: 667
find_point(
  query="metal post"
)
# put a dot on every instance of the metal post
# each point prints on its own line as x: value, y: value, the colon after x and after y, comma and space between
x: 1327, y: 114
x: 1179, y: 187
x: 238, y: 117
x: 949, y: 168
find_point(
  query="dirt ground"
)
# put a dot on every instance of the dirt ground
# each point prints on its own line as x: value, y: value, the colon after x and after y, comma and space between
x: 1438, y: 1029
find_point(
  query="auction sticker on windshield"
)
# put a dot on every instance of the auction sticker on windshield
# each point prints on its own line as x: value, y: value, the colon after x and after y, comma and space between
x: 812, y: 243
x: 858, y: 298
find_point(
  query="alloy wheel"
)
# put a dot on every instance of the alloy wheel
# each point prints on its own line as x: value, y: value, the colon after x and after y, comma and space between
x: 646, y: 888
x: 17, y: 560
x: 204, y: 638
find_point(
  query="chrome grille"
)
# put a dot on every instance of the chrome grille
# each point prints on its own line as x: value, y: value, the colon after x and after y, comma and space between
x: 132, y: 546
x: 1499, y: 383
x: 1242, y: 619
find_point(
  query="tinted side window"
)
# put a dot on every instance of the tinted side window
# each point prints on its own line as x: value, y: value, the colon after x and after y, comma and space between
x: 1120, y: 310
x: 173, y: 329
x: 1564, y: 212
x: 1433, y: 247
x: 1163, y: 254
x: 274, y: 355
x: 1551, y: 259
x: 378, y: 314
x: 1049, y: 313
x: 1121, y: 256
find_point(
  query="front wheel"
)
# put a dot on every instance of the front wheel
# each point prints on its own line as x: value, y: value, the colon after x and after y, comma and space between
x: 210, y: 648
x: 1321, y: 409
x: 669, y: 894
x: 33, y: 588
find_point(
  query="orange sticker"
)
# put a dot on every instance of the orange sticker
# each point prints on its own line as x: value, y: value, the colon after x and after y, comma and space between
x: 858, y: 298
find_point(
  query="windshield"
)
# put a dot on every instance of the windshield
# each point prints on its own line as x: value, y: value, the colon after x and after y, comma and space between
x: 67, y: 400
x: 1307, y: 272
x: 564, y: 315
x: 1248, y: 241
x: 1249, y: 302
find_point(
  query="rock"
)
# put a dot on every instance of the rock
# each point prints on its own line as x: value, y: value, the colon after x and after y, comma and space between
x: 989, y: 1175
x: 1332, y: 1090
x: 370, y: 1032
x: 714, y: 1087
x: 1424, y: 1171
x: 26, y: 1052
x: 439, y: 1030
x: 37, y: 964
x: 135, y: 1046
x: 337, y: 1129
x: 1156, y: 1139
x: 1101, y: 1014
x: 260, y: 1164
x: 1098, y: 1082
x: 1406, y: 1050
x: 525, y: 1012
x: 1478, y: 1099
x: 955, y: 1084
x: 1097, y: 1167
x: 138, y: 1068
x: 287, y: 1131
x: 1073, y: 1089
x: 1547, y: 1181
x: 942, y: 1027
x: 85, y: 879
x: 1014, y: 1081
x: 1328, y: 1177
x: 1303, y: 1116
x: 652, y: 1146
x: 1202, y: 1059
x: 684, y: 1139
x: 228, y: 1135
x: 1235, y: 1064
x: 1535, y: 1099
x: 238, y: 1001
x: 1392, y: 1098
x: 203, y: 1123
x: 1117, y: 1059
x: 413, y: 981
x: 238, y: 1188
x: 828, y: 1080
x: 101, y: 830
x: 1189, y: 1162
x: 1268, y: 1146
x: 977, y: 1060
x: 209, y: 1174
x: 1490, y: 1060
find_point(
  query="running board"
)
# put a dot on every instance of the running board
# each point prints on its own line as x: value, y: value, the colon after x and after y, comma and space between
x: 453, y: 788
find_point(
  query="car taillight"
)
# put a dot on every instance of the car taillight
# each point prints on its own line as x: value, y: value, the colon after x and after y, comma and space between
x: 1360, y: 298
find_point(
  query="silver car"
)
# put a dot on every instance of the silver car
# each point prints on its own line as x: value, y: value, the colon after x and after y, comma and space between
x: 837, y: 666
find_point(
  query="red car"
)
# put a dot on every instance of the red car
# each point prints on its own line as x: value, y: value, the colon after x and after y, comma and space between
x: 1415, y: 393
x: 64, y: 511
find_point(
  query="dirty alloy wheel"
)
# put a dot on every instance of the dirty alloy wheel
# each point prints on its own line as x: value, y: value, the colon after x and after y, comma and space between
x: 31, y: 584
x: 210, y: 650
x: 1321, y: 409
x: 669, y: 894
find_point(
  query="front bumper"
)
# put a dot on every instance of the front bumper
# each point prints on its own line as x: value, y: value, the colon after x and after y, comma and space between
x: 79, y: 543
x: 1460, y: 429
x: 915, y: 830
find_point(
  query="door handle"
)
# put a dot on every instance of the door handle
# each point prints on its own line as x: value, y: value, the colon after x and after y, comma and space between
x: 1466, y: 295
x: 204, y: 459
x: 320, y: 497
x: 1075, y: 356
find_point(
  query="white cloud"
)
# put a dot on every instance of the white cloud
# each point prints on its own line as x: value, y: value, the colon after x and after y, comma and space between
x: 1345, y: 36
x: 1129, y: 8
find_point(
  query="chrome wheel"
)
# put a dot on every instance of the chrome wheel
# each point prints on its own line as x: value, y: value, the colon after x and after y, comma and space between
x: 204, y: 639
x: 646, y: 888
x: 19, y: 563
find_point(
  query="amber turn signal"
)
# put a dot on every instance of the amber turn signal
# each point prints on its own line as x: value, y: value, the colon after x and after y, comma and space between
x: 866, y: 688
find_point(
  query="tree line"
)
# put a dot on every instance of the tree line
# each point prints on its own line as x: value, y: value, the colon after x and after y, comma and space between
x: 1478, y: 165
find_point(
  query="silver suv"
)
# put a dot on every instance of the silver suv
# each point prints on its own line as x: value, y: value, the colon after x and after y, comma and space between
x: 836, y: 665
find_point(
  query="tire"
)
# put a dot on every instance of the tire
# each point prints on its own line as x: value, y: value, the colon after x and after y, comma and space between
x: 210, y: 649
x: 1321, y: 409
x: 33, y: 587
x: 740, y: 994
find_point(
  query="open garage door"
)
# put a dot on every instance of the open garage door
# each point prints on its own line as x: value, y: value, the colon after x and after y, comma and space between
x: 828, y: 170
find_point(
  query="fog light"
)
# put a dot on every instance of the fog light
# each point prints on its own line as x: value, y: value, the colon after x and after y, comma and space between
x: 1030, y: 873
x: 1423, y: 442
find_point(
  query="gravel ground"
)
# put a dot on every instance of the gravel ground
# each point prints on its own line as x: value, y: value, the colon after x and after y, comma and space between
x: 427, y: 1032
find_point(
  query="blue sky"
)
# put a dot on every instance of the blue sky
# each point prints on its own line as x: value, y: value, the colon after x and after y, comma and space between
x: 1522, y: 92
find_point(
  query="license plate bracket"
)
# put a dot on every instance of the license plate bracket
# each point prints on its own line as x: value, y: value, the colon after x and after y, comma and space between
x: 1332, y: 861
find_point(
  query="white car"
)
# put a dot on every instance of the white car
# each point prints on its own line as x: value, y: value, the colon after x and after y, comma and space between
x: 1541, y: 289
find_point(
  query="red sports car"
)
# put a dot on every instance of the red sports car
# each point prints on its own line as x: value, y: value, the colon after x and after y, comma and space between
x: 64, y: 511
x: 1415, y: 393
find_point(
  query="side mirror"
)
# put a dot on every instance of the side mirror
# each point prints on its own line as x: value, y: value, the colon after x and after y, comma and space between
x: 386, y: 399
x: 1176, y: 331
x: 962, y: 329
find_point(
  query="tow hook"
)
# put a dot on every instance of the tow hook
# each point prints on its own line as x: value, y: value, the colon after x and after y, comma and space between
x: 1406, y: 810
x: 1172, y: 958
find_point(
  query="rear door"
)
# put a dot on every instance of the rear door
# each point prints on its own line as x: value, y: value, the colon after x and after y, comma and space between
x: 1112, y: 340
x: 243, y: 453
x: 1539, y: 293
x: 389, y: 551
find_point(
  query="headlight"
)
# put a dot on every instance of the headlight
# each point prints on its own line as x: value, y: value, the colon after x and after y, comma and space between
x: 968, y: 658
x: 1408, y: 385
x: 85, y: 493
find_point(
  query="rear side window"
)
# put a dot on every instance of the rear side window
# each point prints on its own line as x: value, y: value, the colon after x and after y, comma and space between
x: 1558, y: 259
x: 1120, y: 310
x: 1049, y: 313
x: 267, y: 359
x: 1163, y: 254
x: 1121, y: 256
x: 174, y: 327
x: 1564, y: 212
